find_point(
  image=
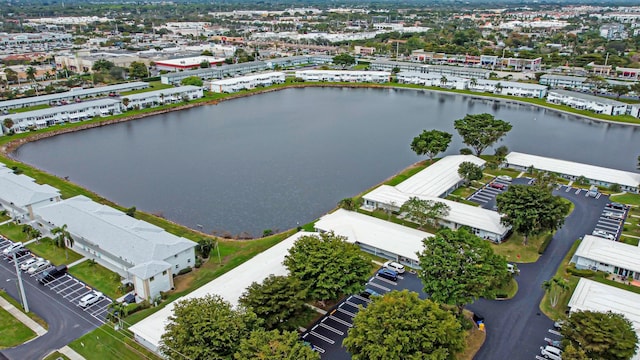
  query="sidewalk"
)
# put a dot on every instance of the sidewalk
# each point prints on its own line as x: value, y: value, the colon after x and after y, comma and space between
x: 77, y: 262
x: 18, y: 314
x: 70, y: 353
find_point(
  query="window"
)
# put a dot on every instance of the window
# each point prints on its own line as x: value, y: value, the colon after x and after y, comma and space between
x: 164, y: 272
x: 176, y: 266
x: 152, y: 278
x: 188, y: 260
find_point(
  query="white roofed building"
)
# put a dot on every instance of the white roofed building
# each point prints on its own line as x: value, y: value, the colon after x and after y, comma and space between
x: 229, y: 286
x: 596, y: 175
x: 232, y: 85
x: 187, y: 63
x: 595, y: 253
x: 162, y: 97
x: 379, y: 237
x: 122, y: 243
x: 20, y: 194
x: 581, y: 101
x: 449, y: 82
x: 343, y: 76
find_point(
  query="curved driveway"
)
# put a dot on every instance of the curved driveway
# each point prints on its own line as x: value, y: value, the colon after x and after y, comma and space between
x: 516, y: 328
x: 66, y: 321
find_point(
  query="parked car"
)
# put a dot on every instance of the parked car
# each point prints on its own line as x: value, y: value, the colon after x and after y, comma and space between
x: 25, y: 265
x: 39, y: 265
x: 558, y: 324
x: 90, y: 299
x: 603, y: 234
x: 51, y: 274
x: 593, y: 191
x: 497, y: 185
x: 554, y: 343
x: 367, y: 293
x: 504, y: 177
x: 392, y: 265
x: 617, y: 206
x: 551, y: 352
x: 387, y: 274
x: 11, y: 248
x: 513, y: 269
x: 613, y: 215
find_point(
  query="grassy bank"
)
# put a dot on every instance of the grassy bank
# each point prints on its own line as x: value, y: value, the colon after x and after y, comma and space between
x: 515, y: 251
x: 558, y: 311
x: 105, y: 343
x: 12, y: 331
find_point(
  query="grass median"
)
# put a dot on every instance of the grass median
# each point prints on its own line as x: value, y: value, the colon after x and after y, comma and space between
x: 98, y: 277
x: 105, y: 343
x: 47, y: 249
x: 12, y: 331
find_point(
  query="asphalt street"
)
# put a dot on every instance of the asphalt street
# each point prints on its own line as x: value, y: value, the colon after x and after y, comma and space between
x: 66, y: 321
x: 516, y: 327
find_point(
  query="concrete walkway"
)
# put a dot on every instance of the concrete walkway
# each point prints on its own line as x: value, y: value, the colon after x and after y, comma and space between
x: 22, y: 317
x: 77, y: 262
x: 70, y: 353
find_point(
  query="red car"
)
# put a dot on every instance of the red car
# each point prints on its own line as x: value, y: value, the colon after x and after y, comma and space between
x: 497, y: 185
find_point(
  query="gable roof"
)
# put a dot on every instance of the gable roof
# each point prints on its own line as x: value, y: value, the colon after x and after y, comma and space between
x: 148, y: 269
x: 22, y: 190
x: 610, y: 252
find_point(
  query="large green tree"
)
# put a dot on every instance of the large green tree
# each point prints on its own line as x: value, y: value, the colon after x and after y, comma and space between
x: 328, y: 266
x: 276, y: 300
x: 138, y: 70
x: 400, y: 325
x: 192, y: 80
x: 458, y: 267
x: 606, y: 336
x: 481, y: 130
x: 273, y: 345
x: 431, y: 143
x: 469, y: 171
x: 206, y: 328
x: 344, y: 60
x: 531, y: 210
x: 423, y: 212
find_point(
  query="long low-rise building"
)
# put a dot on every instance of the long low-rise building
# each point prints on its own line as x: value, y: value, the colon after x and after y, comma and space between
x: 379, y: 237
x: 459, y: 71
x: 39, y: 119
x: 565, y: 81
x: 590, y: 295
x: 343, y: 76
x: 595, y: 253
x: 232, y: 85
x: 581, y: 101
x: 596, y: 175
x: 483, y: 222
x: 71, y: 95
x: 229, y: 286
x: 20, y: 194
x: 142, y: 253
x: 161, y: 97
x: 419, y: 78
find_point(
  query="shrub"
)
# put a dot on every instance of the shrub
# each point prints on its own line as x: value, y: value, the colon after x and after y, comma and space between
x: 198, y: 262
x: 615, y: 188
x: 582, y: 273
x: 185, y: 270
x: 465, y: 151
x: 267, y: 232
x: 545, y: 244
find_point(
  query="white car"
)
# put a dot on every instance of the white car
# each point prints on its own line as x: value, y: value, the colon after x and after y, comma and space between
x: 28, y: 263
x: 603, y: 234
x: 90, y: 299
x: 9, y: 249
x: 38, y: 265
x: 613, y: 215
x: 392, y: 265
x: 504, y: 177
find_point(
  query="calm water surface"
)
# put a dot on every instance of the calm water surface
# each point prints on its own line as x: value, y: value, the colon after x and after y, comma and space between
x: 285, y: 158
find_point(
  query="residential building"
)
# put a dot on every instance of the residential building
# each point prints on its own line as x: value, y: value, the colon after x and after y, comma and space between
x: 232, y: 85
x: 229, y: 286
x: 144, y: 254
x: 71, y: 95
x: 187, y: 63
x: 508, y: 88
x: 388, y: 65
x: 379, y: 237
x: 20, y: 194
x: 463, y: 72
x: 581, y: 101
x: 613, y: 32
x: 299, y: 60
x: 591, y: 295
x: 216, y: 72
x: 343, y: 76
x: 161, y: 97
x: 449, y: 82
x: 596, y: 175
x: 598, y: 254
x: 363, y: 50
x: 39, y: 119
x: 482, y: 222
x: 564, y: 81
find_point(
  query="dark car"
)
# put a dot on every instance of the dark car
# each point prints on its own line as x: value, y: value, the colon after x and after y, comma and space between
x: 367, y: 293
x: 497, y: 185
x: 617, y: 206
x: 387, y: 274
x: 51, y: 274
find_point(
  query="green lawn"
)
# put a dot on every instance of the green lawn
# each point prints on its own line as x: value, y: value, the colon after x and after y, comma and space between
x: 105, y: 343
x: 407, y: 173
x: 509, y: 290
x: 153, y: 86
x: 514, y: 251
x: 98, y: 277
x: 12, y: 331
x: 4, y: 216
x: 47, y: 249
x: 558, y: 311
x: 30, y: 108
x: 30, y: 314
x: 629, y: 199
x: 13, y: 232
x: 55, y: 356
x: 463, y: 192
x: 629, y: 240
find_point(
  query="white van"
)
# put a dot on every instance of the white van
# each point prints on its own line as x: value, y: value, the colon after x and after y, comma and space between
x: 392, y: 265
x: 551, y: 352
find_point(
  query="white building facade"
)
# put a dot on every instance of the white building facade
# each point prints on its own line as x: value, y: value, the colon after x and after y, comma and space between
x: 161, y: 97
x: 343, y: 76
x: 236, y: 84
x: 20, y: 195
x: 581, y: 101
x: 598, y: 254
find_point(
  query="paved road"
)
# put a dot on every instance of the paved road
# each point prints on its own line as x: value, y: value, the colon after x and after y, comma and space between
x: 66, y: 321
x: 516, y: 328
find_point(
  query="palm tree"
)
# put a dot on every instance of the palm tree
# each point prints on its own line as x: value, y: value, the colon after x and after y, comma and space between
x: 498, y: 88
x: 443, y: 80
x: 31, y: 73
x: 8, y: 123
x: 473, y: 82
x: 63, y: 238
x: 125, y: 102
x: 555, y: 287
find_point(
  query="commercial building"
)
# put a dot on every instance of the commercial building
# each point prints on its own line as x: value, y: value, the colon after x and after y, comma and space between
x: 187, y: 63
x: 39, y: 119
x: 595, y: 253
x: 72, y: 95
x: 144, y: 254
x: 484, y: 223
x: 20, y: 194
x: 590, y: 295
x: 229, y: 286
x: 581, y: 101
x: 343, y: 76
x: 379, y: 237
x: 161, y: 97
x: 245, y: 82
x: 596, y: 175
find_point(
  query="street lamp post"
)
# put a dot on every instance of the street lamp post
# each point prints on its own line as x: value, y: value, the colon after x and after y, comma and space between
x: 23, y: 297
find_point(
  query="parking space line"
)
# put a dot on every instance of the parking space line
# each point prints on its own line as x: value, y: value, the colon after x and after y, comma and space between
x: 318, y: 349
x: 76, y: 283
x: 598, y: 196
x: 554, y: 332
x: 385, y: 280
x: 568, y: 189
x: 41, y: 271
x: 578, y: 191
x: 322, y: 337
x: 333, y: 330
x: 56, y: 281
x: 62, y: 283
x: 77, y: 290
x: 362, y: 298
x: 609, y: 226
x: 379, y: 286
x: 92, y: 305
x: 346, y: 312
x: 338, y: 320
x: 101, y: 310
x: 352, y: 304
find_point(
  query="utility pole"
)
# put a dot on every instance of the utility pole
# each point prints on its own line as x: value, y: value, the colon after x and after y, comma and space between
x: 23, y: 297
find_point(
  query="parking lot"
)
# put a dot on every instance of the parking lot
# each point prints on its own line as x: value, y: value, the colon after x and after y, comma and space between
x: 486, y: 195
x: 326, y: 335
